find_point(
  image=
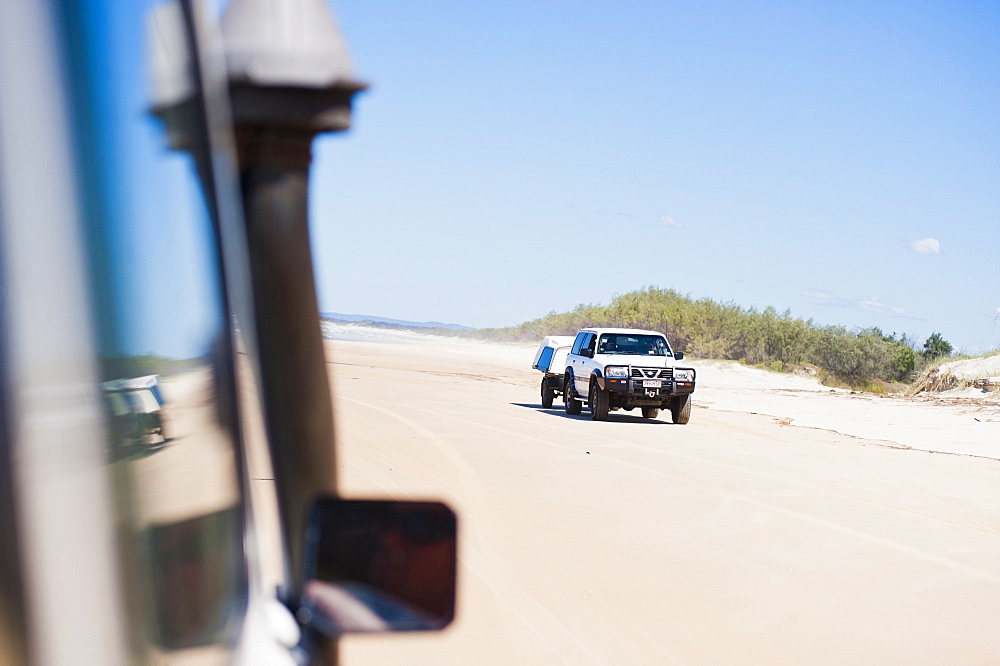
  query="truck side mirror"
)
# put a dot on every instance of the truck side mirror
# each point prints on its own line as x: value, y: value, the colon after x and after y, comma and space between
x: 589, y: 353
x: 379, y: 565
x: 679, y: 356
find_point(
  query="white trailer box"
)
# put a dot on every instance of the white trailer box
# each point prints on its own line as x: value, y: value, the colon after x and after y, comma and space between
x: 551, y: 354
x: 550, y: 359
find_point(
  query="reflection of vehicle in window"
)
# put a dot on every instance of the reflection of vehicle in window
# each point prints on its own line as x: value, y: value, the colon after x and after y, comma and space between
x: 137, y: 408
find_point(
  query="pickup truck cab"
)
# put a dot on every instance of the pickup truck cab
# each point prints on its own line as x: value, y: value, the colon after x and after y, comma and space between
x: 624, y: 368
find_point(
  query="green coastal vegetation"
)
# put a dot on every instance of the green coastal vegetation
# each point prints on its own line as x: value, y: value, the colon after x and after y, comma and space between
x: 127, y: 367
x: 867, y: 359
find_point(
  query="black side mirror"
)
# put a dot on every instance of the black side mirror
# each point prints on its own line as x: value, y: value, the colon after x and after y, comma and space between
x: 589, y: 353
x: 379, y: 565
x: 679, y: 356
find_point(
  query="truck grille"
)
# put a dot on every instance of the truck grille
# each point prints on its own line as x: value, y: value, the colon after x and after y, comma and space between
x: 652, y: 373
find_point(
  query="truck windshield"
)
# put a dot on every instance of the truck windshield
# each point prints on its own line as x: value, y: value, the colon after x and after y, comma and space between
x: 645, y: 345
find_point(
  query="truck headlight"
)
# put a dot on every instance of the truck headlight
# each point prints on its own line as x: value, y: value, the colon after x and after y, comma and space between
x: 684, y: 374
x: 616, y: 371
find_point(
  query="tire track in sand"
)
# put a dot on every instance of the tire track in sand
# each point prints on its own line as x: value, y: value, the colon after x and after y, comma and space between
x: 491, y: 570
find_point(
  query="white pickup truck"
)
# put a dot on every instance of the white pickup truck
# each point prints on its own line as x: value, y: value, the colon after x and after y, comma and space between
x: 624, y: 368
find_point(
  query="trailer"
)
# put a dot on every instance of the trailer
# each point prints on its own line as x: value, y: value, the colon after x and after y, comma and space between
x: 550, y: 360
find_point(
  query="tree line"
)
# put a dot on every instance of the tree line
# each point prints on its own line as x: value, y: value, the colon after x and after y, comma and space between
x: 708, y: 329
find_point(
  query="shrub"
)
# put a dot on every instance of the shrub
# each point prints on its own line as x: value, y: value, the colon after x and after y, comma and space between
x: 709, y: 329
x: 936, y: 347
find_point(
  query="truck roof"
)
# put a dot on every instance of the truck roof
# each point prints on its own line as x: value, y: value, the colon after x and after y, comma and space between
x: 626, y: 331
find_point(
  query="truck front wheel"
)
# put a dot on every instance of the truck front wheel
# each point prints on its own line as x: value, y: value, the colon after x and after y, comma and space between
x: 680, y: 409
x: 573, y: 406
x: 598, y: 402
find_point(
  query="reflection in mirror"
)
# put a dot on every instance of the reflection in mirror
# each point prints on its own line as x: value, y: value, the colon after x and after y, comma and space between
x: 379, y: 565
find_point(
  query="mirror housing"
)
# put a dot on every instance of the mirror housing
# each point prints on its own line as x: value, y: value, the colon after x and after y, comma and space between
x: 589, y: 353
x: 679, y: 355
x: 378, y: 566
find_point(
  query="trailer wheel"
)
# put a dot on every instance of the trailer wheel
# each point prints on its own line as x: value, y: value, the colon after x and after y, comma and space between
x: 650, y: 412
x: 548, y: 395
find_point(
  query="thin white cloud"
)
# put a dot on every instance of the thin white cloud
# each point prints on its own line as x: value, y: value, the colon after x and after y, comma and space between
x: 872, y: 303
x: 820, y: 297
x: 670, y: 222
x: 875, y: 304
x: 926, y: 246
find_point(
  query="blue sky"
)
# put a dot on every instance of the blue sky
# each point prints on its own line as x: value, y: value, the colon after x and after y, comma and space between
x: 511, y: 159
x: 161, y: 294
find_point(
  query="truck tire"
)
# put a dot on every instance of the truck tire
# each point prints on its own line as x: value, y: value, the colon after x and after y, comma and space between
x: 680, y: 409
x: 548, y: 395
x: 573, y: 406
x: 598, y: 402
x: 650, y: 412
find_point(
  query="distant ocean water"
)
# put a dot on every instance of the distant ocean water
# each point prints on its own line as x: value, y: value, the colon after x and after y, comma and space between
x: 361, y: 333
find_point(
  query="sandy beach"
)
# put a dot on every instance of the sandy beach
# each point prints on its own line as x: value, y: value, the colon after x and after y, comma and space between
x: 787, y: 523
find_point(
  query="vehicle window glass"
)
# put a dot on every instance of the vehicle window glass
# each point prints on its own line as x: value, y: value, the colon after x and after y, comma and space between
x: 634, y: 344
x: 545, y: 359
x: 163, y: 327
x: 578, y: 343
x: 588, y: 343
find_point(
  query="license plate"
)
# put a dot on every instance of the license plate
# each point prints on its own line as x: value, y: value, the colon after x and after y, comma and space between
x: 651, y: 383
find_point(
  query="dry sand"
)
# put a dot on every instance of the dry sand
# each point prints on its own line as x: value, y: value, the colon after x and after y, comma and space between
x: 787, y: 523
